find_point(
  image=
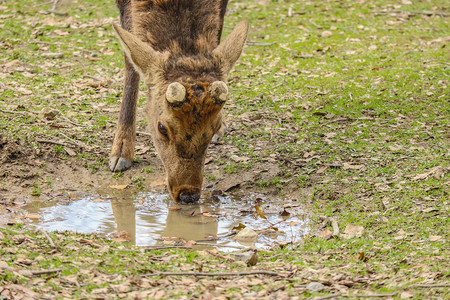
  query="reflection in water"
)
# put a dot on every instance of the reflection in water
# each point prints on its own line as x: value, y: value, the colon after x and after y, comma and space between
x: 148, y: 218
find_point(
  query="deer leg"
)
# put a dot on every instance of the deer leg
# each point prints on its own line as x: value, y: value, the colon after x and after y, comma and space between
x: 122, y: 152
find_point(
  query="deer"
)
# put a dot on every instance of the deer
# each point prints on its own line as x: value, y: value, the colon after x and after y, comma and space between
x: 175, y: 47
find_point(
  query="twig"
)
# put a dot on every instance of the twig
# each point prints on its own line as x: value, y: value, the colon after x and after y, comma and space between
x: 45, y: 271
x: 276, y: 223
x: 48, y: 238
x: 219, y: 245
x: 220, y: 256
x: 249, y: 43
x: 211, y: 274
x: 143, y: 133
x: 52, y: 142
x: 55, y: 2
x: 16, y: 112
x: 431, y: 285
x: 411, y: 13
x: 275, y: 86
x: 376, y: 295
x: 328, y: 297
x: 148, y: 248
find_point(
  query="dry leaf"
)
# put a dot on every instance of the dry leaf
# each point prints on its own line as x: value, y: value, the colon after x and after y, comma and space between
x: 190, y: 243
x: 326, y: 234
x: 352, y: 231
x: 89, y: 242
x: 238, y: 227
x: 70, y: 151
x: 33, y: 216
x: 434, y: 238
x: 119, y: 187
x: 405, y: 295
x: 322, y: 170
x: 285, y: 213
x: 98, y: 200
x: 260, y: 212
x: 362, y: 257
x: 347, y: 166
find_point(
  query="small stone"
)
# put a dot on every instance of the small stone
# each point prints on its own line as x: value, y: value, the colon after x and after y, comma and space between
x: 315, y: 286
x: 48, y: 113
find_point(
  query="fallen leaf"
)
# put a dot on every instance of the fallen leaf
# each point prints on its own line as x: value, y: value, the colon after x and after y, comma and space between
x: 33, y: 216
x: 405, y: 295
x: 322, y: 170
x: 98, y: 200
x: 190, y: 243
x: 119, y: 187
x: 238, y: 227
x: 174, y: 208
x: 285, y: 213
x: 326, y: 234
x: 352, y: 231
x: 260, y: 212
x: 347, y: 166
x: 89, y: 242
x: 362, y: 257
x: 434, y: 238
x: 70, y: 151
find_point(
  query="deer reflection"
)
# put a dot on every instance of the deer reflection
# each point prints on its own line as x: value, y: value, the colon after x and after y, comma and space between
x: 145, y: 228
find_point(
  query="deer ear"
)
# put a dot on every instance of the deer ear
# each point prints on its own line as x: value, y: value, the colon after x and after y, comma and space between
x: 141, y: 54
x: 230, y: 49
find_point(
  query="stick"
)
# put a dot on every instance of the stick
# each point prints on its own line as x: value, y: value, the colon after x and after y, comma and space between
x: 220, y: 256
x: 17, y: 112
x: 412, y: 13
x: 259, y: 43
x: 219, y: 245
x: 45, y: 271
x: 51, y: 142
x: 143, y: 133
x: 431, y: 285
x: 328, y: 297
x: 48, y: 238
x: 55, y: 2
x: 211, y: 274
x: 376, y: 295
x: 148, y: 248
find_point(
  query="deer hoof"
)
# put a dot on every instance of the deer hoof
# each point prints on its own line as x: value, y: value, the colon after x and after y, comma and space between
x: 118, y: 164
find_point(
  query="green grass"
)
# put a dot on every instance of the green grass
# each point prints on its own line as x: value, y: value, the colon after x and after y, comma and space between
x: 369, y: 101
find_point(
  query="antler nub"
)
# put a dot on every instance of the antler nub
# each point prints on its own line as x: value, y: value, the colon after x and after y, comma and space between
x: 176, y: 92
x: 219, y: 91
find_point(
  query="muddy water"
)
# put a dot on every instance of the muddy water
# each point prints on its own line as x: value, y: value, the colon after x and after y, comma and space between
x: 151, y: 218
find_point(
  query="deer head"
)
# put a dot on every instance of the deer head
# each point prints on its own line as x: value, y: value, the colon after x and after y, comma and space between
x: 186, y: 97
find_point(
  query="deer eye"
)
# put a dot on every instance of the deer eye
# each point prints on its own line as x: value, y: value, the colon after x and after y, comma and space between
x: 163, y: 130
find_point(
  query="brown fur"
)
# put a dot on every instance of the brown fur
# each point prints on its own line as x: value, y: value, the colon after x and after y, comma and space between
x: 175, y: 41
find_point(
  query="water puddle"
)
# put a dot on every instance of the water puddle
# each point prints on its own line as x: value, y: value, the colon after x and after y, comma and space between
x: 151, y: 218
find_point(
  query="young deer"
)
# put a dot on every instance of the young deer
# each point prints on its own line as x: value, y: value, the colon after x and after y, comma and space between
x: 174, y: 46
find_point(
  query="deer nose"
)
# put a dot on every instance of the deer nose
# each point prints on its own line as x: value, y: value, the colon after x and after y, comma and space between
x: 188, y: 197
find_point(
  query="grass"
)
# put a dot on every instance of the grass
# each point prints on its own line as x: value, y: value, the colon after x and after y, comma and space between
x: 335, y: 84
